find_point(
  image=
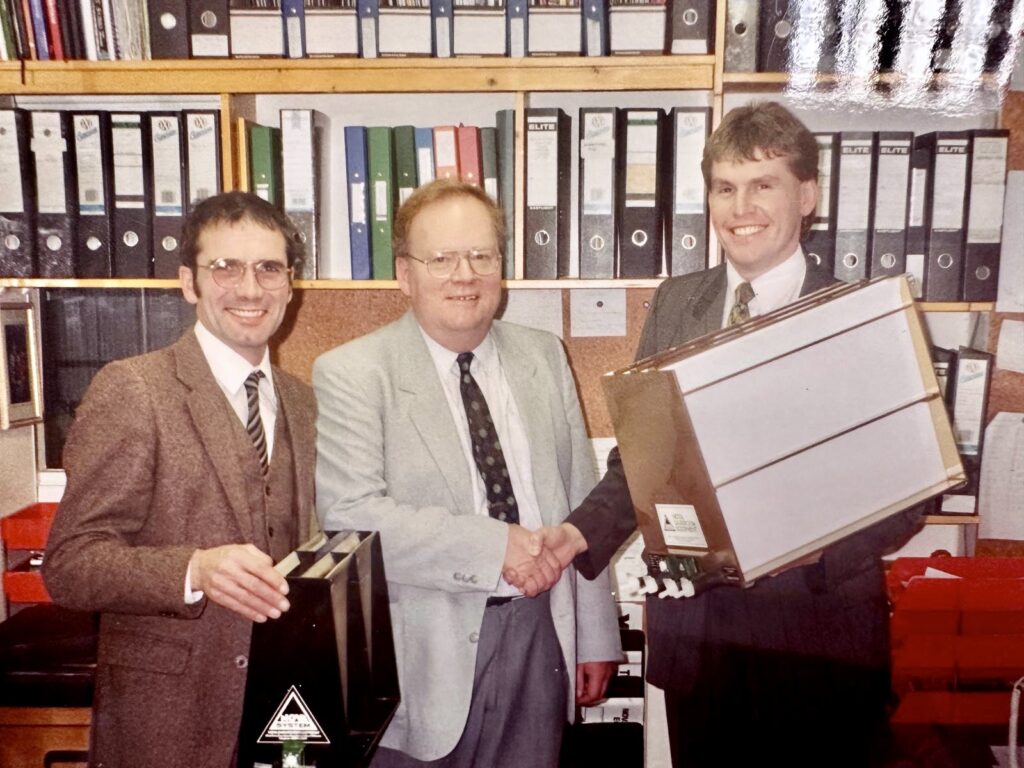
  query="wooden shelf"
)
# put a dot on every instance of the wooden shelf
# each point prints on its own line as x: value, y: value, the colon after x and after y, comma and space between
x: 952, y: 519
x: 777, y: 80
x: 355, y: 285
x: 399, y: 75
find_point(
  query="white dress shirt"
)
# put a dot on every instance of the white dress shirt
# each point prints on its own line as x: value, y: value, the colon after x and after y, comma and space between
x: 776, y: 288
x: 515, y: 446
x: 231, y: 370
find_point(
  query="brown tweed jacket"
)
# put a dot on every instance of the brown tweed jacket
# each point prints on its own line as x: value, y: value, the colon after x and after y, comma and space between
x: 154, y: 472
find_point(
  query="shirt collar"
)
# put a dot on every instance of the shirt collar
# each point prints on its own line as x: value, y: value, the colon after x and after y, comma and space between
x: 229, y: 368
x: 444, y: 359
x: 778, y: 281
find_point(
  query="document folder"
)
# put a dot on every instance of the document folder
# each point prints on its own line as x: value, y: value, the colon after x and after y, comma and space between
x: 945, y: 206
x: 168, y: 177
x: 56, y: 193
x: 819, y: 243
x: 686, y: 221
x: 853, y: 204
x: 94, y: 166
x: 132, y: 222
x: 597, y: 192
x: 17, y: 197
x: 891, y: 198
x: 724, y: 468
x: 548, y: 149
x: 984, y: 234
x: 324, y: 673
x: 640, y: 195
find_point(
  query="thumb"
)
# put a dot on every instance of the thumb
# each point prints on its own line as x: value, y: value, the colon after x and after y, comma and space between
x: 535, y: 543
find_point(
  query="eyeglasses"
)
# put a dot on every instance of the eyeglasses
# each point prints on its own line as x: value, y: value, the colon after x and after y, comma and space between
x: 443, y: 263
x: 229, y: 273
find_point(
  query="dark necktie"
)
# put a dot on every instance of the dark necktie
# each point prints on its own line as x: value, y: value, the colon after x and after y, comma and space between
x: 740, y: 311
x: 253, y: 422
x: 501, y: 501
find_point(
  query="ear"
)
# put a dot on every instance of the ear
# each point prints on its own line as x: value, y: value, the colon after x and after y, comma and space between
x: 808, y: 196
x: 402, y: 274
x: 188, y: 286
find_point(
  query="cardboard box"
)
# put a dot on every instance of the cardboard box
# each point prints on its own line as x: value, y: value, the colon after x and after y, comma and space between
x: 761, y: 444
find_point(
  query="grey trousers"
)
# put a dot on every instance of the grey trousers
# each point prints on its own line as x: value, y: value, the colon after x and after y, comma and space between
x: 518, y: 710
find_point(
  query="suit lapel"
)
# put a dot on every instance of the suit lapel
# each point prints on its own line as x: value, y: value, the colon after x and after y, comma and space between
x: 706, y: 307
x: 427, y: 407
x: 302, y: 431
x: 211, y: 418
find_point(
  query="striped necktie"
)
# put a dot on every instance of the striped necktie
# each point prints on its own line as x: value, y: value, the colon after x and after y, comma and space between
x: 740, y: 312
x: 253, y: 422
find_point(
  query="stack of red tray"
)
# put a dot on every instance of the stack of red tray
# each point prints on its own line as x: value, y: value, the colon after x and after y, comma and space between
x: 24, y: 535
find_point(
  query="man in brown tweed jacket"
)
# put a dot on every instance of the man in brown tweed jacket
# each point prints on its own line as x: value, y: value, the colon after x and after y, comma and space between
x: 188, y: 477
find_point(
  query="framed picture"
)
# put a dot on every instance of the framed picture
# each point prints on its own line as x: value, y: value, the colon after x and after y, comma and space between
x: 20, y: 399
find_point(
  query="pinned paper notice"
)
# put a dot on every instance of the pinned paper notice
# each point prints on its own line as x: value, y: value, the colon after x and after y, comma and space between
x: 680, y: 526
x: 1010, y: 352
x: 540, y: 309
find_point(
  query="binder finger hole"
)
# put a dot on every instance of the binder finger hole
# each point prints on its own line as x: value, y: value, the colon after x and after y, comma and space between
x: 782, y: 29
x: 638, y: 238
x: 945, y: 261
x: 983, y: 273
x: 169, y: 243
x: 689, y: 17
x: 93, y: 243
x: 11, y: 242
x: 131, y: 239
x: 597, y: 243
x: 208, y: 19
x: 542, y: 237
x: 168, y: 21
x: 53, y: 243
x: 888, y: 260
x: 689, y: 242
x: 850, y: 260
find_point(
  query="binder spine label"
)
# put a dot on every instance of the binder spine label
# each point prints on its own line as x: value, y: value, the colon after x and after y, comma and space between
x: 689, y: 183
x: 49, y: 147
x: 823, y: 209
x: 12, y: 198
x: 988, y: 175
x: 541, y: 158
x: 128, y: 173
x: 598, y: 153
x: 203, y: 174
x: 167, y: 198
x: 89, y: 160
x: 950, y: 183
x: 854, y: 185
x: 297, y: 140
x: 891, y: 195
x: 642, y: 160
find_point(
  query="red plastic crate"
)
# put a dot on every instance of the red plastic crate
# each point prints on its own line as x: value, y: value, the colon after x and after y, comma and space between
x: 989, y: 660
x: 25, y: 586
x: 953, y: 708
x: 28, y: 528
x: 992, y: 607
x: 925, y: 662
x: 926, y: 607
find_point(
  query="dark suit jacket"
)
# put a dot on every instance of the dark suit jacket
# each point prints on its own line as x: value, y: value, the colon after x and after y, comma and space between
x: 833, y: 609
x: 154, y: 472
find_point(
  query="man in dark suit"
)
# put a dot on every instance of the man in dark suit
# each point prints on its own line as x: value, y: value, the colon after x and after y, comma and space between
x: 794, y: 670
x: 189, y: 472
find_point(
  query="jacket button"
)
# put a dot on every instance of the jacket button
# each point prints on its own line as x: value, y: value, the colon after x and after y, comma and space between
x: 474, y: 637
x: 241, y: 661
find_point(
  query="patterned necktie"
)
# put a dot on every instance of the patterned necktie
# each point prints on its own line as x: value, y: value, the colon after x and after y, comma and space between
x: 253, y: 422
x: 740, y: 312
x: 501, y: 501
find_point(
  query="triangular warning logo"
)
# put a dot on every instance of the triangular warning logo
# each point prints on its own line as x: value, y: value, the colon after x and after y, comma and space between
x: 668, y: 524
x: 293, y: 722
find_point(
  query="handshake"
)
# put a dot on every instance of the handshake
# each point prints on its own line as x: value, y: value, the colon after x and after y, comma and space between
x: 534, y: 560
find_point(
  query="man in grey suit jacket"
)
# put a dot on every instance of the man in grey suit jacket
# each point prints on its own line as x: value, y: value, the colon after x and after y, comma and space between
x: 792, y: 671
x: 183, y: 488
x: 488, y: 677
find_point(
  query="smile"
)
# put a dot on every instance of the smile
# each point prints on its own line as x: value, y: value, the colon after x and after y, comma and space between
x: 750, y: 229
x: 247, y: 313
x: 463, y: 298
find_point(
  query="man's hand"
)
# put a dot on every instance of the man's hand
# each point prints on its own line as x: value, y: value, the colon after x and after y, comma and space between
x: 563, y: 542
x: 592, y: 680
x: 240, y: 578
x: 532, y: 572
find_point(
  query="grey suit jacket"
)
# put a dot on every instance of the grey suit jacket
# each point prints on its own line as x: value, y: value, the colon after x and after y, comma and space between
x: 834, y: 609
x: 153, y: 473
x: 389, y: 459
